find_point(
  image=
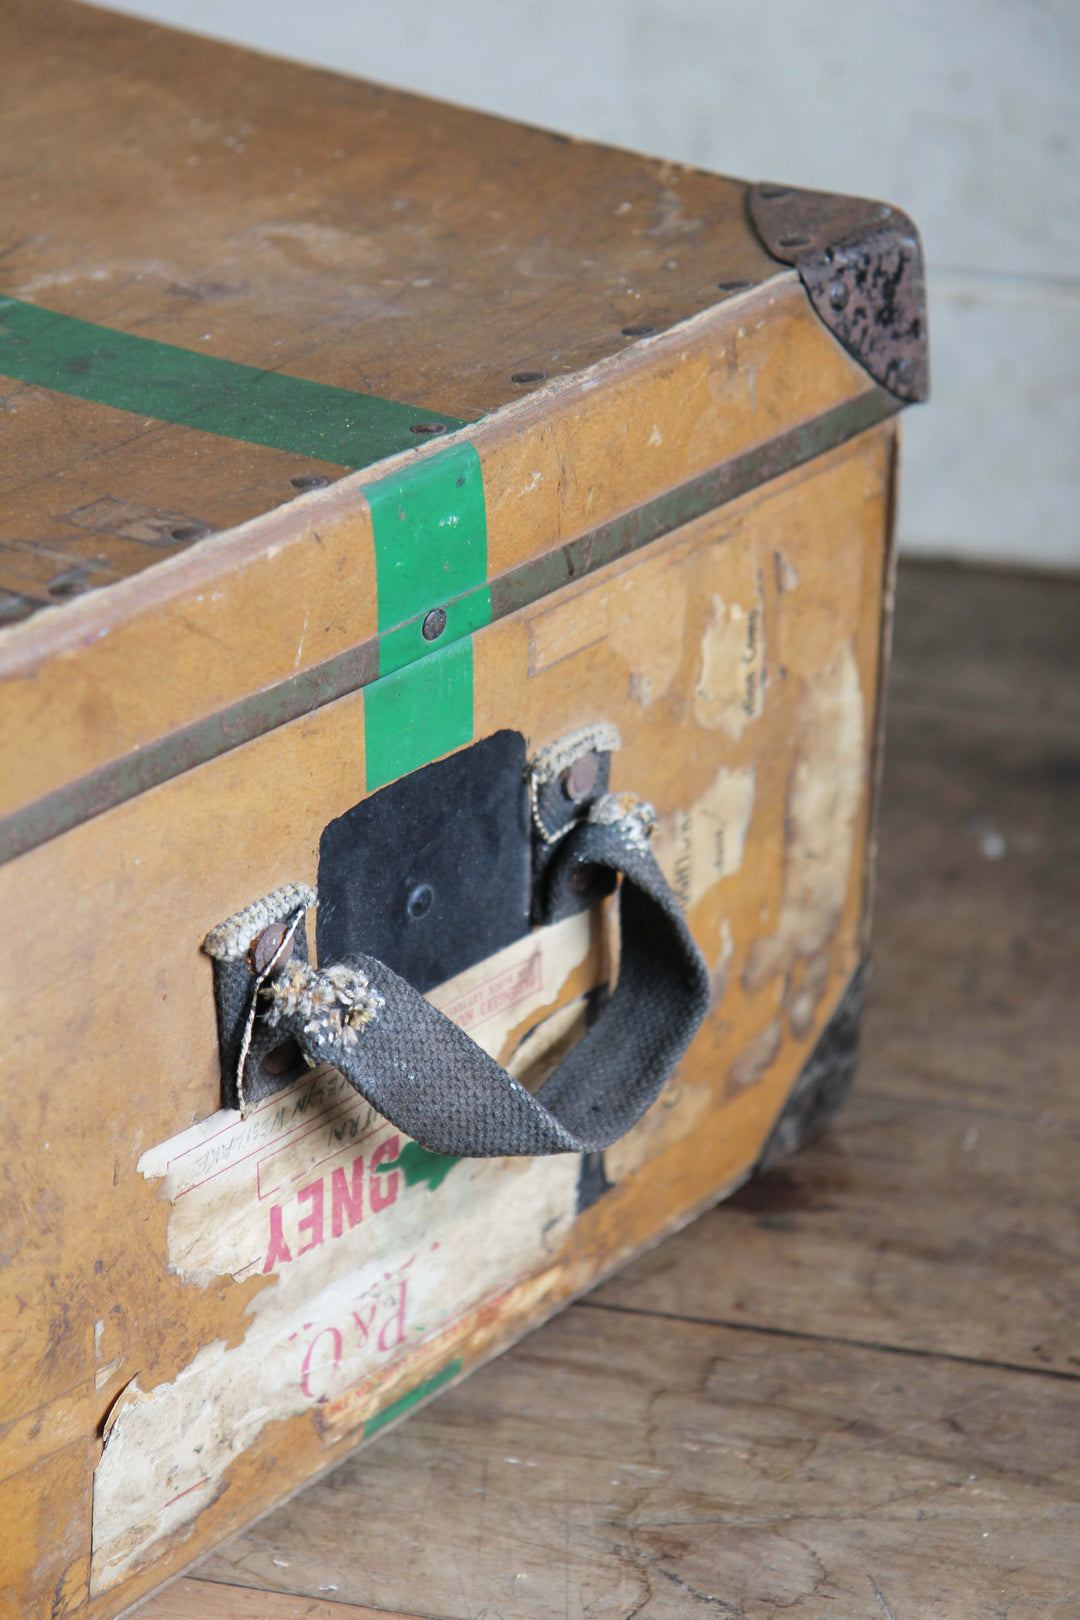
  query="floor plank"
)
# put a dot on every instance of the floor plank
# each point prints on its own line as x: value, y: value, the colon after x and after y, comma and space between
x: 943, y: 1229
x: 617, y: 1466
x: 977, y: 925
x: 213, y: 1600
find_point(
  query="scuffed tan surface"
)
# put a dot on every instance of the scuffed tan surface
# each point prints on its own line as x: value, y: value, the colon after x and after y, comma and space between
x: 855, y: 1388
x: 306, y: 223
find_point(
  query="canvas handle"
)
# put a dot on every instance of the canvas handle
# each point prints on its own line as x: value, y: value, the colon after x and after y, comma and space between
x: 425, y: 1075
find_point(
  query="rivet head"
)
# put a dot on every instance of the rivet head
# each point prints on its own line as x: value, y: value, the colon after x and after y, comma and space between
x: 434, y: 624
x: 190, y: 531
x: 428, y: 428
x: 795, y: 241
x: 420, y: 901
x: 309, y: 481
x: 266, y: 947
x: 527, y: 376
x: 641, y: 330
x: 733, y: 286
x: 838, y: 294
x: 579, y: 779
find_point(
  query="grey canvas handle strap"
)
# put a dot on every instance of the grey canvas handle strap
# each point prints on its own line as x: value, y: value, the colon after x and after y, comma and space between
x: 425, y: 1075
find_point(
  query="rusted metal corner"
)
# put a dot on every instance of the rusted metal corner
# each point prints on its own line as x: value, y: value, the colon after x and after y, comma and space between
x: 862, y: 264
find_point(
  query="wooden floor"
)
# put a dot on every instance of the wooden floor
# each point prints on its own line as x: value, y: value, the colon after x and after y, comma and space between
x: 853, y: 1391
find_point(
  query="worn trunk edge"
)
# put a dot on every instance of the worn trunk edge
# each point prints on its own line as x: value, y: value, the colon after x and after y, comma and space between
x: 861, y: 263
x: 826, y: 1078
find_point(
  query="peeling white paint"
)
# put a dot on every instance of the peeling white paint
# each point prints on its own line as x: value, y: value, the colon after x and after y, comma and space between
x: 371, y: 1254
x: 825, y: 798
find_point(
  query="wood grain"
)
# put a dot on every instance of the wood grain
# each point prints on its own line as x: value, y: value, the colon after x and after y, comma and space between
x: 189, y: 1599
x: 97, y: 1288
x: 929, y: 1226
x: 305, y: 223
x: 296, y: 586
x: 616, y: 1465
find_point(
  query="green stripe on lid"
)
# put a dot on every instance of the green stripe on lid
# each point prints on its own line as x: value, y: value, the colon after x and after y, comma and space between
x: 191, y: 389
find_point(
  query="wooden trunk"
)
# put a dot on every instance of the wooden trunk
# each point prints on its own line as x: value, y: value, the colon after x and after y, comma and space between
x: 251, y: 314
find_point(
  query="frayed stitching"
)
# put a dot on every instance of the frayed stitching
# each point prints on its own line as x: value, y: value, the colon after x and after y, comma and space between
x: 232, y: 939
x: 631, y: 816
x: 334, y: 1004
x: 550, y: 762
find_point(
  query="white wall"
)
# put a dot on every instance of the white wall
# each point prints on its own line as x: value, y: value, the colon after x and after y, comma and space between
x: 964, y: 112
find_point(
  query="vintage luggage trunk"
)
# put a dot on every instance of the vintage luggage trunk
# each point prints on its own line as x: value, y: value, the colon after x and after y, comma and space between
x: 397, y: 504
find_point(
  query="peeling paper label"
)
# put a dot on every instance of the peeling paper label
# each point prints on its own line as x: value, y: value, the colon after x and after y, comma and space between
x: 825, y: 798
x: 376, y: 1249
x: 695, y: 848
x: 731, y: 686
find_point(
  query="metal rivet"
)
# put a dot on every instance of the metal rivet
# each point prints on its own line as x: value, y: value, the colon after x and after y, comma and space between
x: 905, y: 369
x: 733, y: 286
x: 838, y: 295
x: 527, y: 376
x: 191, y: 531
x: 638, y: 331
x: 265, y: 948
x: 580, y: 879
x: 420, y: 901
x: 579, y: 779
x: 794, y: 241
x: 309, y: 481
x: 434, y: 624
x: 70, y: 582
x: 428, y: 427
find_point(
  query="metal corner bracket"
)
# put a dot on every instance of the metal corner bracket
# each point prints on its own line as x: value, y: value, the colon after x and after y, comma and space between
x: 861, y: 263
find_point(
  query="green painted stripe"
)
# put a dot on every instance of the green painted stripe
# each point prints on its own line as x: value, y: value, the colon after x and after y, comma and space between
x: 430, y: 528
x: 429, y: 523
x: 260, y: 712
x: 170, y: 384
x: 418, y: 713
x: 405, y: 1403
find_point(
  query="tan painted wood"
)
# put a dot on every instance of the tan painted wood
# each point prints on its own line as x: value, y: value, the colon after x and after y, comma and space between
x: 304, y: 222
x: 339, y: 230
x: 289, y: 590
x: 93, y: 1267
x: 190, y: 1599
x: 295, y: 220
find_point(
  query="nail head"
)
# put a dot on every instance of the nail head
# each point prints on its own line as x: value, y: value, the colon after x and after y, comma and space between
x: 579, y: 779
